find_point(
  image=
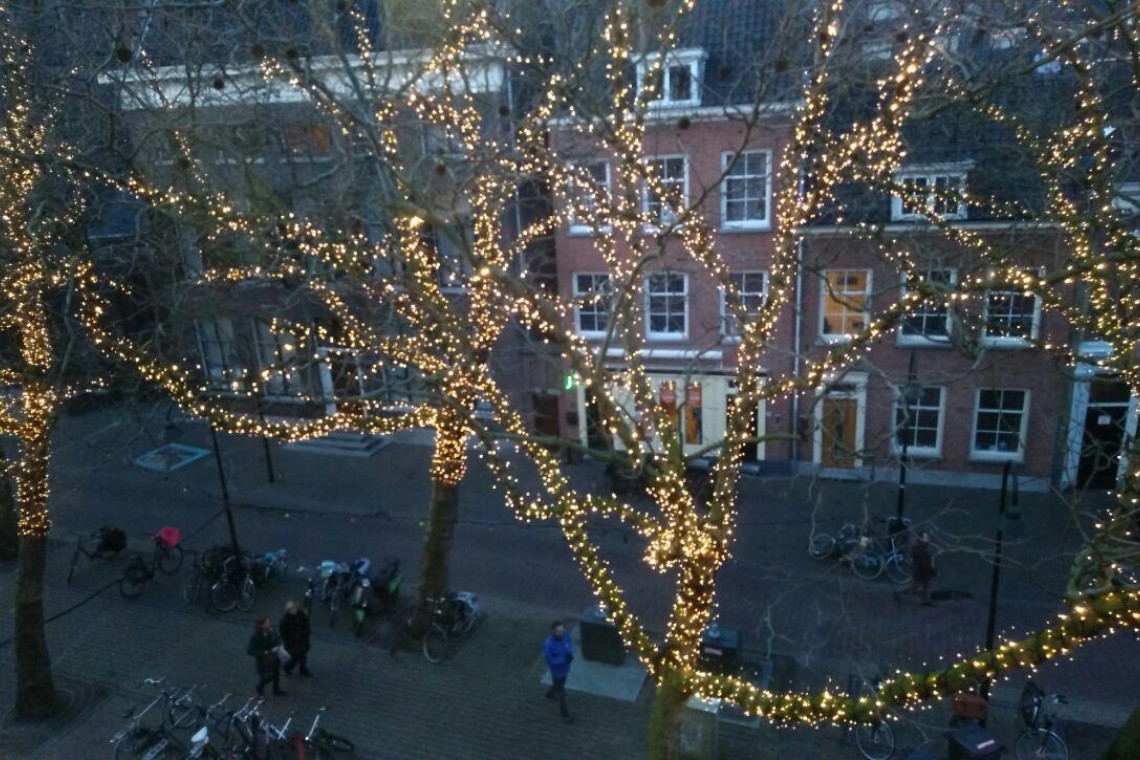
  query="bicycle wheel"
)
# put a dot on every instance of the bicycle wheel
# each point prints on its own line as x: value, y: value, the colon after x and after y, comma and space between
x: 330, y: 742
x: 435, y: 644
x: 821, y: 546
x: 900, y: 569
x: 192, y: 589
x: 132, y: 582
x: 463, y: 624
x: 224, y: 596
x: 1039, y: 744
x: 867, y: 564
x: 183, y: 714
x: 132, y: 744
x: 246, y: 595
x: 169, y: 559
x: 876, y: 741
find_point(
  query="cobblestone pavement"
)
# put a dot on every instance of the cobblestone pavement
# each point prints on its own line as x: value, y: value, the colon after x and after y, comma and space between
x: 487, y: 703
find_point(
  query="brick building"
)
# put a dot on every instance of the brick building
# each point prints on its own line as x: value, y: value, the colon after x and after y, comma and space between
x: 963, y: 388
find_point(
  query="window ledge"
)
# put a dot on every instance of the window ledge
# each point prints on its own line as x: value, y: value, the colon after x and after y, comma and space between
x: 667, y: 337
x: 730, y: 227
x: 992, y: 457
x: 832, y: 340
x: 920, y: 341
x: 918, y: 453
x: 1007, y: 343
x: 731, y: 340
x: 585, y: 231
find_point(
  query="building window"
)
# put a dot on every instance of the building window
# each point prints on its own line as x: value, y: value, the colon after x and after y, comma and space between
x: 1011, y: 317
x: 584, y: 199
x: 592, y: 303
x: 845, y: 297
x: 930, y: 322
x: 667, y: 305
x: 277, y: 358
x: 918, y: 421
x: 672, y: 175
x: 307, y: 140
x: 753, y: 290
x: 925, y: 194
x: 744, y: 199
x: 999, y: 423
x: 453, y: 268
x: 218, y: 350
x: 675, y: 81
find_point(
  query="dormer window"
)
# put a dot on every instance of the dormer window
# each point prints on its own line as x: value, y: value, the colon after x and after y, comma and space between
x: 674, y: 81
x: 935, y: 192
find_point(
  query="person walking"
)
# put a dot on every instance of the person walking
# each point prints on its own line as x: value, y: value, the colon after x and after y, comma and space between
x: 263, y: 648
x: 923, y: 568
x: 295, y: 635
x: 559, y: 653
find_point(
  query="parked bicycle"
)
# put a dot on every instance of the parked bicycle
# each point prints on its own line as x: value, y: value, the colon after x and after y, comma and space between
x: 339, y: 582
x: 452, y: 616
x: 151, y: 741
x: 270, y: 566
x: 1041, y: 739
x: 167, y: 558
x: 876, y: 740
x: 234, y: 586
x: 109, y: 542
x: 853, y: 547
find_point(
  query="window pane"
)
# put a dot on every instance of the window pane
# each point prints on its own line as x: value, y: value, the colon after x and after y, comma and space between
x: 680, y: 83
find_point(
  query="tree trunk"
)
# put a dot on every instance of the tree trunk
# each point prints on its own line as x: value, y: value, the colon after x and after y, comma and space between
x: 35, y: 689
x: 665, y: 720
x: 443, y: 514
x: 9, y: 536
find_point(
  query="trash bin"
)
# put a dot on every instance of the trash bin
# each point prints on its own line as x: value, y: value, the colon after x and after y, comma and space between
x: 974, y: 743
x: 720, y: 649
x: 601, y: 641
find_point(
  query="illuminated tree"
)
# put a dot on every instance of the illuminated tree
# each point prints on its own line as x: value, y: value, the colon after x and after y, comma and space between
x: 830, y: 145
x: 37, y: 225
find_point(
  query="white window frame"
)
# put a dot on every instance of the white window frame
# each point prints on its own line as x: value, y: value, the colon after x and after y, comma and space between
x: 727, y: 158
x: 919, y: 451
x: 727, y: 328
x: 684, y: 295
x: 290, y: 380
x: 660, y: 220
x: 903, y: 338
x: 579, y: 295
x: 931, y: 176
x: 985, y: 455
x: 997, y: 340
x: 574, y: 226
x: 221, y: 376
x: 825, y: 294
x: 691, y: 58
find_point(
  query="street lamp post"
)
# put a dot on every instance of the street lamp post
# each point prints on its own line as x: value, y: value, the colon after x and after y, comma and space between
x: 174, y: 432
x: 907, y: 399
x: 995, y: 581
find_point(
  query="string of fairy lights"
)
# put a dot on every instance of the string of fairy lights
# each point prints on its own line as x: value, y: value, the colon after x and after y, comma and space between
x: 449, y: 339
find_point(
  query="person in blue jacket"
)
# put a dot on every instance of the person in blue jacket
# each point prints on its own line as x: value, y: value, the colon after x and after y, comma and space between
x: 559, y: 653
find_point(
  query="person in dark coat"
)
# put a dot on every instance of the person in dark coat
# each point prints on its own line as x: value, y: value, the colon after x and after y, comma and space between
x: 261, y: 646
x: 295, y: 634
x: 559, y: 653
x: 923, y: 568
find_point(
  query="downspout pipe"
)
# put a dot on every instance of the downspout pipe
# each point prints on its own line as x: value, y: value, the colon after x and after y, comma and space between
x: 797, y: 355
